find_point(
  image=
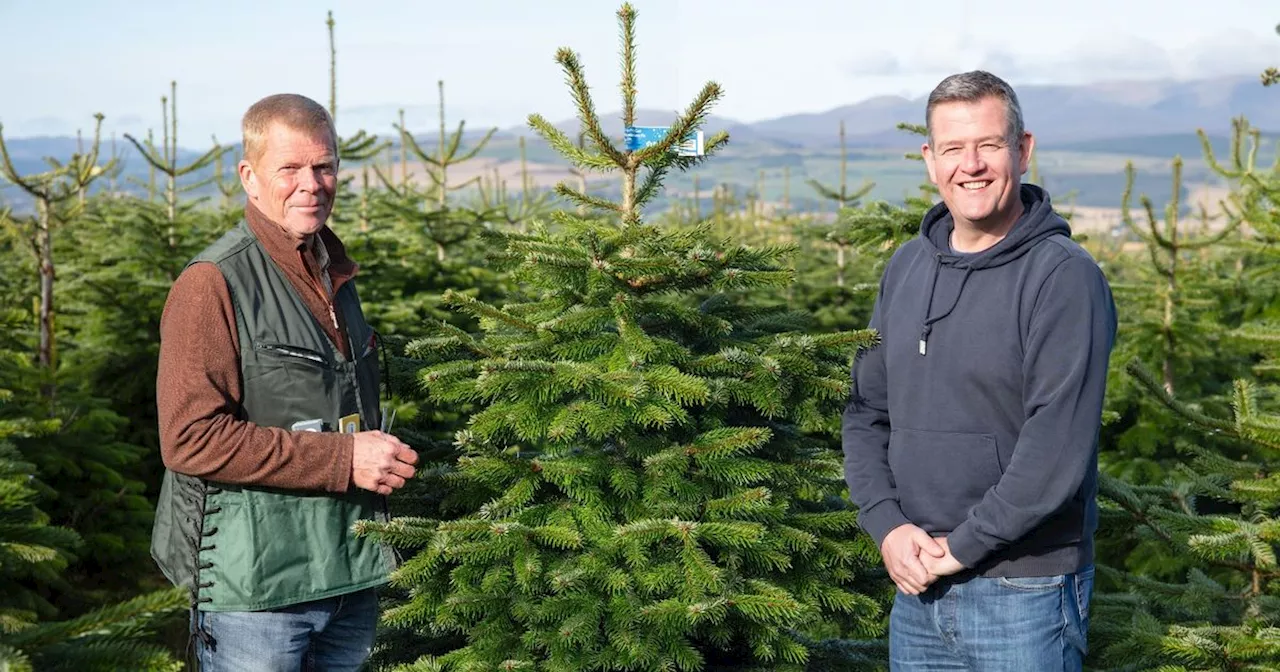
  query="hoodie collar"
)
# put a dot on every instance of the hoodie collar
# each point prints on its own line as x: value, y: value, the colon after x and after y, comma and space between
x: 1038, y: 221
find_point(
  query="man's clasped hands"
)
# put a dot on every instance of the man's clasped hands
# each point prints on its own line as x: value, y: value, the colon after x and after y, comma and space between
x: 915, y: 559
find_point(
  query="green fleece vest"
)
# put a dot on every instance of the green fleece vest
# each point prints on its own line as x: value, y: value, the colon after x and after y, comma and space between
x: 245, y: 548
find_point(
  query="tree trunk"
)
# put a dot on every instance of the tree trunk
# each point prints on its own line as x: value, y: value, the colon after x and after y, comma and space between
x: 45, y: 356
x: 1169, y: 342
x: 1172, y: 290
x: 840, y: 264
x: 628, y: 194
x: 172, y: 197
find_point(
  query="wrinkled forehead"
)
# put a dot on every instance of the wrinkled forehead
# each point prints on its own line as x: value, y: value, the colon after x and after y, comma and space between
x: 961, y: 121
x: 296, y: 142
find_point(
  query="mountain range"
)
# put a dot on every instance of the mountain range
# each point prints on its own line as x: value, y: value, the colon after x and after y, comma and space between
x: 1057, y: 114
x: 1136, y: 118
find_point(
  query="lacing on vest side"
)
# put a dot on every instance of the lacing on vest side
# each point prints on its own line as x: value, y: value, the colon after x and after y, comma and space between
x: 198, y: 499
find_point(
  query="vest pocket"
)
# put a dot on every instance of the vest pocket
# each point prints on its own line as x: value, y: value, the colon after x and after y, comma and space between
x: 303, y: 545
x: 292, y: 353
x: 286, y: 383
x: 941, y: 475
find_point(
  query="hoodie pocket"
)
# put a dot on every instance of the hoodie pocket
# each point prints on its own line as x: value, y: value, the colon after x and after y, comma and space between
x: 941, y: 475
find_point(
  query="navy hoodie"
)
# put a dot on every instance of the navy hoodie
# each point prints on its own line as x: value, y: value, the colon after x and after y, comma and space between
x: 976, y: 417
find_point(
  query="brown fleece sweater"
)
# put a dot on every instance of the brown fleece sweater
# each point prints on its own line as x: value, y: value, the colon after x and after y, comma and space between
x: 198, y: 388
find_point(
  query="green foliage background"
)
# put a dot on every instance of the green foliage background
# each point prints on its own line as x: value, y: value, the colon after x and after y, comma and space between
x: 627, y: 414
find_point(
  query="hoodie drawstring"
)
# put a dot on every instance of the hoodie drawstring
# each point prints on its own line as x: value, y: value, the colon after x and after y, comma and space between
x: 933, y: 287
x: 928, y: 322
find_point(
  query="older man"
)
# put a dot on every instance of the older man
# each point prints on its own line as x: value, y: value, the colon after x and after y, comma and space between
x: 971, y: 434
x: 268, y: 412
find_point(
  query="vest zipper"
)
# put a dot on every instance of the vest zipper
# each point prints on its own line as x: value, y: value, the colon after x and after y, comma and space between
x: 290, y: 352
x: 324, y: 294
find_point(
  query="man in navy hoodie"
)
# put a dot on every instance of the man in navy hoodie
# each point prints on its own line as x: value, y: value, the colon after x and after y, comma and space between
x: 970, y: 438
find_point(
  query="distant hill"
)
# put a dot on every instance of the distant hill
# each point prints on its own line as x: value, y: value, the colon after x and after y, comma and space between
x: 1168, y: 145
x: 1062, y: 114
x: 1084, y: 135
x: 29, y: 154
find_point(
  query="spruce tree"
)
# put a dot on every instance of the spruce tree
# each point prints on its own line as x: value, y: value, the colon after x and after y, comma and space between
x: 1217, y: 508
x: 58, y: 195
x: 34, y: 553
x: 865, y: 235
x: 844, y: 199
x: 166, y: 161
x: 354, y: 149
x: 647, y: 480
x: 1178, y: 300
x: 99, y: 490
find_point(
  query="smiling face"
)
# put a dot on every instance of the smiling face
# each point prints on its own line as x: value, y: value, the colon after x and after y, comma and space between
x: 293, y: 179
x: 975, y: 167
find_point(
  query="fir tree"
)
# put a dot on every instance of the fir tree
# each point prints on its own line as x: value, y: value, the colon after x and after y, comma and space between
x: 866, y: 234
x: 844, y: 199
x: 357, y: 148
x: 403, y: 285
x: 58, y: 194
x: 95, y: 467
x: 33, y: 554
x: 1220, y: 512
x: 166, y: 161
x: 444, y: 223
x: 119, y: 266
x: 1169, y: 322
x: 517, y: 211
x: 647, y: 481
x: 1178, y: 300
x: 1217, y: 508
x: 93, y: 457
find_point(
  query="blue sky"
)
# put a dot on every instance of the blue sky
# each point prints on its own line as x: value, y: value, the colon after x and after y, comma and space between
x: 67, y: 59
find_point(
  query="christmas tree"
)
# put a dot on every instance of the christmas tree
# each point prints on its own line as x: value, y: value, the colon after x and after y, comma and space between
x: 647, y: 480
x: 100, y: 491
x: 1217, y: 509
x: 34, y: 554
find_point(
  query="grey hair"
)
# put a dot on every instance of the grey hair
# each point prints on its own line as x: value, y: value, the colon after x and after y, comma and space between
x: 295, y: 111
x: 971, y: 87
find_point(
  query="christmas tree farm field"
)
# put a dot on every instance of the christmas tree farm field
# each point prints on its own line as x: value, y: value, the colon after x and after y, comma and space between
x: 649, y: 478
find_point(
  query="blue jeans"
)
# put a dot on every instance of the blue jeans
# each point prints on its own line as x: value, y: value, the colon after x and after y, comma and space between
x: 1032, y: 624
x: 322, y: 636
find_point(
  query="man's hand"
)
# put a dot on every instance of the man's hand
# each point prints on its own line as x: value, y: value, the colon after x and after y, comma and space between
x: 944, y: 565
x: 380, y: 462
x: 901, y: 551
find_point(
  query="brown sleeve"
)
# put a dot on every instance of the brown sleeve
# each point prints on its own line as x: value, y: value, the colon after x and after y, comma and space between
x: 198, y: 393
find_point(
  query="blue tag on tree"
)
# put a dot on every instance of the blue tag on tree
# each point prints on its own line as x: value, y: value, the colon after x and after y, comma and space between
x: 639, y: 137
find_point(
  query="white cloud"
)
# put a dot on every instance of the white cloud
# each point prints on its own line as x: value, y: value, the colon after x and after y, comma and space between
x: 1099, y: 58
x: 1227, y: 53
x: 876, y: 63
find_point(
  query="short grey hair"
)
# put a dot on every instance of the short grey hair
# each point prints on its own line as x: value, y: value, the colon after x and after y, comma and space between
x: 971, y: 87
x: 295, y: 111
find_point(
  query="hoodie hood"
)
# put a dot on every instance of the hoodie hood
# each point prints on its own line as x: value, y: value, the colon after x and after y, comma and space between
x: 1038, y: 221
